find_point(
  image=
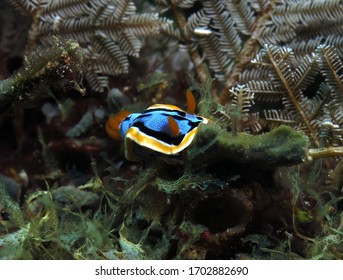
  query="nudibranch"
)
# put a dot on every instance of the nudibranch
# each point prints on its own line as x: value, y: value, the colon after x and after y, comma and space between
x: 161, y: 130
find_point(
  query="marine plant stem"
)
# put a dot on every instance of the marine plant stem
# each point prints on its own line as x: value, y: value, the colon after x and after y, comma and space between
x: 325, y: 152
x: 293, y: 98
x: 57, y: 64
x: 249, y: 50
x: 193, y: 52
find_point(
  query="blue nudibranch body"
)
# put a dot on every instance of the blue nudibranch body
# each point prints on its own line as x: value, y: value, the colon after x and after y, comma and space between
x: 161, y: 129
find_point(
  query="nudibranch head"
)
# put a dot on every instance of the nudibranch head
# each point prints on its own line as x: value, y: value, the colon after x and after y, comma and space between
x: 161, y: 129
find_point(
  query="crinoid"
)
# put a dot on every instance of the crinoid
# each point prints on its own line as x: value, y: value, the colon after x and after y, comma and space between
x: 305, y: 94
x: 108, y: 30
x: 227, y: 34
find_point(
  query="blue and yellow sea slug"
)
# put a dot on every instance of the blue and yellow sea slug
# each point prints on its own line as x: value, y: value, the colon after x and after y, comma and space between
x: 162, y: 130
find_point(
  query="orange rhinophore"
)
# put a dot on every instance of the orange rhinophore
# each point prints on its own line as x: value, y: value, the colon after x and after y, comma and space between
x: 174, y: 127
x: 191, y: 104
x: 113, y: 123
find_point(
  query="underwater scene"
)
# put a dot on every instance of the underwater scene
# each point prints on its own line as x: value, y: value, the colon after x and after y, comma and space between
x: 171, y: 129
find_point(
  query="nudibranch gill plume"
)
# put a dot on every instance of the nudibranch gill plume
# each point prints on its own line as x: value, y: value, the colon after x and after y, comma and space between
x: 162, y: 130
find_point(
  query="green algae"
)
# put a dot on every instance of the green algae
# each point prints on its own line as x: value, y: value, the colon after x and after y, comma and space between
x: 11, y: 215
x: 280, y: 147
x: 62, y: 62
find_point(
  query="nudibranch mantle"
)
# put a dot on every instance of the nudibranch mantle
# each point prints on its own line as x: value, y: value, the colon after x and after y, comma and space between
x: 161, y: 128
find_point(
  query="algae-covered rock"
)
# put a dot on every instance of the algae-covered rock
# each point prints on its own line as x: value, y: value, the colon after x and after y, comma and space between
x: 10, y: 213
x: 280, y: 147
